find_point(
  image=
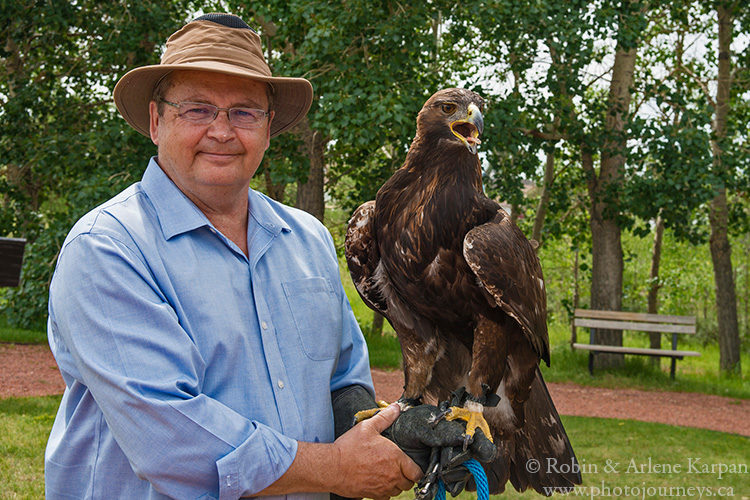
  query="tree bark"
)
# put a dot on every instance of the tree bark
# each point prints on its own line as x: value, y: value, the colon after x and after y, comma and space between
x: 377, y: 323
x: 607, y: 259
x: 576, y: 296
x: 726, y: 298
x: 275, y: 191
x: 721, y: 251
x: 541, y: 208
x: 310, y: 193
x: 747, y: 285
x: 654, y: 285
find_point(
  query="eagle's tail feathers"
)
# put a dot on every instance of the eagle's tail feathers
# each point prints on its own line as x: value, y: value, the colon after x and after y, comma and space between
x: 539, y: 455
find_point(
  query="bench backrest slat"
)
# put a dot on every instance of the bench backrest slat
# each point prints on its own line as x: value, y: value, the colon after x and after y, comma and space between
x: 633, y: 325
x: 632, y: 316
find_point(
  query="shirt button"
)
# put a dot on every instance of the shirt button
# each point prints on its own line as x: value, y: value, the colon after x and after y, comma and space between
x: 280, y: 383
x: 264, y: 325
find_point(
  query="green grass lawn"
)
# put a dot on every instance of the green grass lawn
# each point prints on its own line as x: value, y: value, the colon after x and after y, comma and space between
x: 26, y: 423
x: 20, y: 335
x: 599, y: 444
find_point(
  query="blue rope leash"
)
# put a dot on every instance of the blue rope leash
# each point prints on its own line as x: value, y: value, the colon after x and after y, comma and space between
x: 480, y: 478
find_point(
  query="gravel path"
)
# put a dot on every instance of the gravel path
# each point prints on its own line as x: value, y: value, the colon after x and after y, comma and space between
x: 30, y: 370
x: 687, y: 409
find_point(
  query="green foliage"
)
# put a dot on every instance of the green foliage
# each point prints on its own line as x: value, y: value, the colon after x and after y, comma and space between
x: 542, y: 66
x: 63, y: 150
x: 371, y: 64
x: 685, y: 280
x: 681, y: 293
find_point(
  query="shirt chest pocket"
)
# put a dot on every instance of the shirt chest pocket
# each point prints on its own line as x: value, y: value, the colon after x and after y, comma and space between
x: 317, y: 316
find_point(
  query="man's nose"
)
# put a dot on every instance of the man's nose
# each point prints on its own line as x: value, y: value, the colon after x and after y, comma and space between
x: 221, y: 128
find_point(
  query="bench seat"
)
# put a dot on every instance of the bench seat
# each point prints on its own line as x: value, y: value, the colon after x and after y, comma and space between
x: 636, y: 350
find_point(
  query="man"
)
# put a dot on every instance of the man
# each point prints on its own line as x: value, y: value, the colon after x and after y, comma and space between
x: 201, y: 327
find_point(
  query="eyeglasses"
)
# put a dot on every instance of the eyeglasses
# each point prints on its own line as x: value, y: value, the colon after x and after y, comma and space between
x: 202, y: 113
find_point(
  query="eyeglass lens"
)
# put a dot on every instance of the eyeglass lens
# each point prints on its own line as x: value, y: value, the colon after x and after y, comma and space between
x: 203, y: 113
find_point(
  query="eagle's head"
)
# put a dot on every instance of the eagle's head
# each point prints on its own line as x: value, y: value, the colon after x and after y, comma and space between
x: 453, y: 115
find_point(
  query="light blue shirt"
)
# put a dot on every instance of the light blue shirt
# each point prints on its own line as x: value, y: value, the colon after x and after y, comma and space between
x: 192, y: 370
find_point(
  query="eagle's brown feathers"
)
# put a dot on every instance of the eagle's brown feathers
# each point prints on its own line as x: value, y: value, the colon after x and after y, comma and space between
x: 463, y: 289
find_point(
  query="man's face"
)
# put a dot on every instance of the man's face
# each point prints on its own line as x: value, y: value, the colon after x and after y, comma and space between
x: 214, y: 159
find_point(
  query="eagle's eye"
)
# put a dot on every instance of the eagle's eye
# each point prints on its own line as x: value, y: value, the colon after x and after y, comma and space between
x: 448, y: 108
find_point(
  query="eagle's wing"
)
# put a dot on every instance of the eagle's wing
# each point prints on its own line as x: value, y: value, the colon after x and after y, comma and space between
x: 507, y: 267
x: 363, y: 256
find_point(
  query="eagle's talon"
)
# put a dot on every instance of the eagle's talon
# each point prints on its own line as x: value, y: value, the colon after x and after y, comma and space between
x: 474, y: 420
x: 406, y: 403
x: 467, y: 441
x: 365, y: 414
x: 436, y: 418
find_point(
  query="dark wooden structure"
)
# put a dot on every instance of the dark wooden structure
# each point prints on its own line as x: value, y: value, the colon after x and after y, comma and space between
x: 11, y: 259
x: 641, y: 322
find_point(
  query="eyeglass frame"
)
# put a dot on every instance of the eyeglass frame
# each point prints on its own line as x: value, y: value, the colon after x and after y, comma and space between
x: 177, y: 105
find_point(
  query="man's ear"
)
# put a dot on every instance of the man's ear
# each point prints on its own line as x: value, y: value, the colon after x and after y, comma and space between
x: 153, y: 122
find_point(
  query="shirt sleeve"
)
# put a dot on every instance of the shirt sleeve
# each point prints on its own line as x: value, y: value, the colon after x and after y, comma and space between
x: 146, y: 375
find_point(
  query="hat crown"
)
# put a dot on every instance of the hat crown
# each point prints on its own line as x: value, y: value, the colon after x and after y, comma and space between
x: 228, y: 20
x: 208, y: 41
x: 219, y: 43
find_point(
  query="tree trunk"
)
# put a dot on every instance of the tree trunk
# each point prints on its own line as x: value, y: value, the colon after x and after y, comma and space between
x: 275, y: 191
x: 726, y: 299
x: 377, y: 323
x: 541, y: 209
x: 310, y: 193
x: 515, y: 212
x: 607, y: 260
x: 606, y: 265
x: 721, y: 251
x: 747, y: 286
x: 576, y: 296
x: 606, y: 281
x: 654, y: 285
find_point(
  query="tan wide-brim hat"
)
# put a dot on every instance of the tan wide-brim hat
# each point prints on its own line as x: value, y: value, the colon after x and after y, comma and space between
x: 220, y: 43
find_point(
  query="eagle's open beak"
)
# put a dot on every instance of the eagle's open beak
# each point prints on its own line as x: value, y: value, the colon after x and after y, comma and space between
x: 470, y: 128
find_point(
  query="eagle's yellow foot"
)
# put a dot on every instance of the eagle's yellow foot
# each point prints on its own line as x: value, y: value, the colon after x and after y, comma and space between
x: 473, y: 417
x: 365, y: 414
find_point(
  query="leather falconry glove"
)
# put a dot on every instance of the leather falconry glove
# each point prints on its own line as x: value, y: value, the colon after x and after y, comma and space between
x: 435, y: 444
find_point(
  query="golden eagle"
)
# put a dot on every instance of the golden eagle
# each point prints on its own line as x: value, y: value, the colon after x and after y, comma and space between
x: 464, y: 291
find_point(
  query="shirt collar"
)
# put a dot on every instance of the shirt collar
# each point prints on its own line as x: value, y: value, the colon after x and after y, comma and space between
x: 264, y: 214
x: 177, y: 214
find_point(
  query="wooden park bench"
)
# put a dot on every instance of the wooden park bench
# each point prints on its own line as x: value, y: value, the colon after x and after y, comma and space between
x: 11, y: 258
x: 618, y: 320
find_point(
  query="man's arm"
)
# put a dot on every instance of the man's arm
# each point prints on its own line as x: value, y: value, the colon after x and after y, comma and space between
x: 360, y: 463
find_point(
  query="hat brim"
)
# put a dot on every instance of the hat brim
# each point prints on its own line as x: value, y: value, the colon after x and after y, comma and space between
x: 292, y: 97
